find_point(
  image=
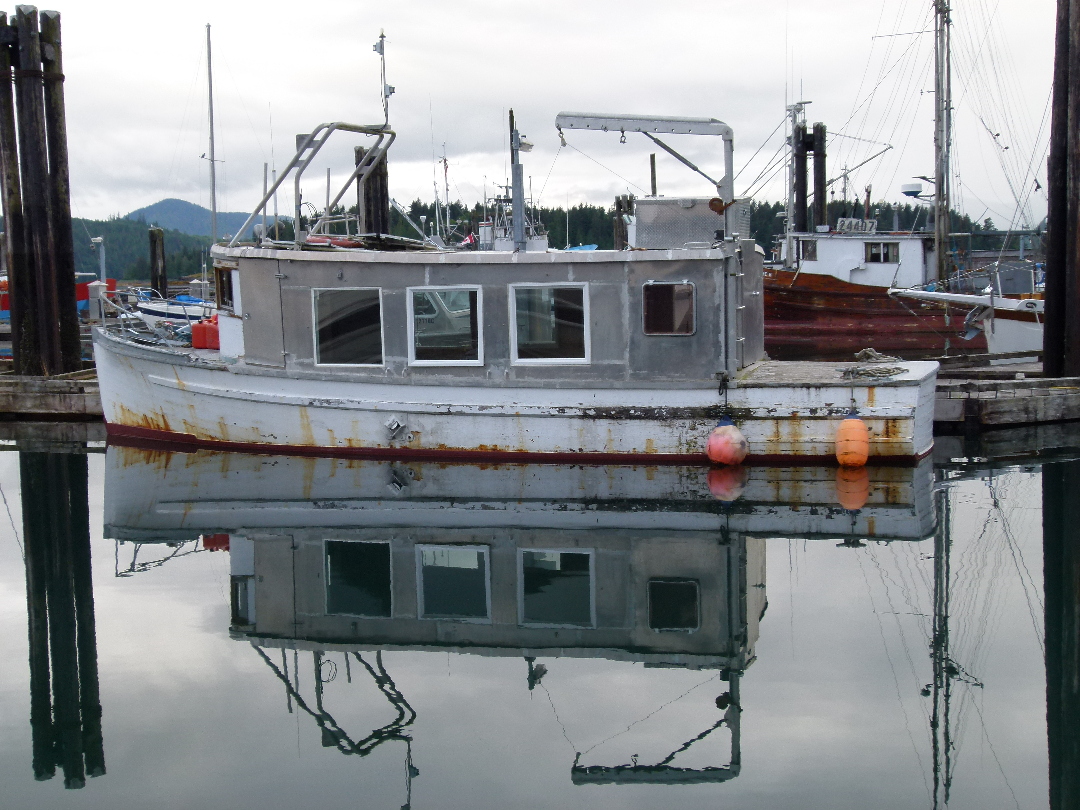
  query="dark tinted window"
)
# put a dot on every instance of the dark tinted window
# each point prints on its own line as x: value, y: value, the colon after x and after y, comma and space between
x: 556, y: 587
x: 673, y: 605
x: 349, y: 327
x: 550, y: 323
x: 453, y: 582
x: 668, y: 309
x: 358, y: 578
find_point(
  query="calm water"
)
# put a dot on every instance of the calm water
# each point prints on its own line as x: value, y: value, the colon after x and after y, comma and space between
x: 455, y: 637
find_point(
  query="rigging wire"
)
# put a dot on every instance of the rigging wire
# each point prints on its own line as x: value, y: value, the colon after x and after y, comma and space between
x: 552, y: 166
x: 602, y: 166
x: 650, y: 714
x: 12, y: 521
x: 896, y: 680
x: 763, y: 144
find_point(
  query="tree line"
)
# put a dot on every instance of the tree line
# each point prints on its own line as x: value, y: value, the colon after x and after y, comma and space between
x: 128, y: 253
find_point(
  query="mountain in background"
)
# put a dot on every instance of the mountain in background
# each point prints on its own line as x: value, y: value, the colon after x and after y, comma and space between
x: 180, y: 215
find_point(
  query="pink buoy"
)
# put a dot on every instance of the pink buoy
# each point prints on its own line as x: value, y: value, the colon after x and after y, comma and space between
x: 726, y: 483
x: 726, y: 444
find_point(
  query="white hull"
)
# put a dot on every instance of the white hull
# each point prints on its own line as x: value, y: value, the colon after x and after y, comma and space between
x: 1011, y: 325
x: 784, y: 410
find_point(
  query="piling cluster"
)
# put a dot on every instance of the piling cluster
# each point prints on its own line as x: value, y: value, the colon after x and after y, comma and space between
x: 65, y: 702
x: 36, y: 195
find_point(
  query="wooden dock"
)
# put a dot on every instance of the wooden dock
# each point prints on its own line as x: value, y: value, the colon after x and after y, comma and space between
x: 72, y: 396
x: 971, y: 405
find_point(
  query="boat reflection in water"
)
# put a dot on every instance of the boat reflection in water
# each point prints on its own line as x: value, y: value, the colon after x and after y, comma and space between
x: 663, y: 566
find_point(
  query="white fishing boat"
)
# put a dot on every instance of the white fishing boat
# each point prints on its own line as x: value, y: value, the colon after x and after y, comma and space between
x: 1011, y: 325
x: 508, y: 355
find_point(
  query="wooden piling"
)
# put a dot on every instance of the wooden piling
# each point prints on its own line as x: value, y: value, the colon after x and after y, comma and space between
x: 159, y: 279
x: 798, y: 139
x: 37, y: 212
x: 33, y: 486
x: 1061, y: 576
x: 820, y: 177
x: 20, y: 276
x: 1061, y: 334
x: 60, y: 191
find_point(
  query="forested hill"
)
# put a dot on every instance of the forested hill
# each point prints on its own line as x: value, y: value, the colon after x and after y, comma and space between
x: 127, y: 249
x: 186, y: 217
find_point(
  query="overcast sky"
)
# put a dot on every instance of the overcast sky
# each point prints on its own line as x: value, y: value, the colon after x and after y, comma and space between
x: 136, y: 93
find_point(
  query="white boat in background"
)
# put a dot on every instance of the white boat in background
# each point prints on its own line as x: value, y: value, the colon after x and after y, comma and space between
x: 1011, y: 325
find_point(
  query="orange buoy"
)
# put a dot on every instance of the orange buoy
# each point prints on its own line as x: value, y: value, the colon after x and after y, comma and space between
x: 852, y: 487
x: 726, y: 483
x: 852, y: 441
x: 726, y: 444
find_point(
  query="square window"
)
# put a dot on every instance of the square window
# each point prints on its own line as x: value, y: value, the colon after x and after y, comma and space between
x: 668, y: 309
x: 556, y: 588
x: 357, y: 578
x: 891, y: 251
x: 549, y: 324
x: 453, y: 582
x: 673, y: 604
x: 446, y: 326
x: 809, y: 249
x: 348, y: 327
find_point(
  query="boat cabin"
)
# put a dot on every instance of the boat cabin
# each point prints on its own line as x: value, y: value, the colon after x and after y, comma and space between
x: 597, y: 318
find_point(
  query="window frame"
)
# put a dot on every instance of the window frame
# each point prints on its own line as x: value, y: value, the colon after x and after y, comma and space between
x: 326, y: 575
x: 315, y: 328
x: 812, y: 244
x: 411, y: 324
x: 883, y: 252
x: 671, y: 581
x: 522, y: 622
x: 550, y: 361
x: 419, y: 556
x: 693, y: 287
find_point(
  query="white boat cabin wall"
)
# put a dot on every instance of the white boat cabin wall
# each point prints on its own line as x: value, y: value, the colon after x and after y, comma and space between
x: 874, y: 259
x: 599, y: 318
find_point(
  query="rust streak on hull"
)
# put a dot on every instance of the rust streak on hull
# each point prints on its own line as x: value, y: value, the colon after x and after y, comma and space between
x: 147, y: 438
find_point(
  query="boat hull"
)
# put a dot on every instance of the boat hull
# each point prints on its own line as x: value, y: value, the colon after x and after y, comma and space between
x: 192, y: 398
x: 810, y: 316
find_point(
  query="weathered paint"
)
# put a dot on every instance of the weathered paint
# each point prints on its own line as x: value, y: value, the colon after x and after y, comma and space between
x: 254, y: 411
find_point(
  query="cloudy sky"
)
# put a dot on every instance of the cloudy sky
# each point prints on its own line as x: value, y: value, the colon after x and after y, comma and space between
x: 136, y: 92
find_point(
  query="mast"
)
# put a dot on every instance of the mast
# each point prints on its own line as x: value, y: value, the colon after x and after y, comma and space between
x: 797, y: 116
x: 517, y: 179
x: 942, y: 132
x: 213, y: 165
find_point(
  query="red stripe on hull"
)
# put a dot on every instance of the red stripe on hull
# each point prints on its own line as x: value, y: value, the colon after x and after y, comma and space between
x: 816, y: 317
x: 150, y: 439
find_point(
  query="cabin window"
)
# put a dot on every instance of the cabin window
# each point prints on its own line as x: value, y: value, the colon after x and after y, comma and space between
x: 446, y: 326
x: 223, y: 287
x: 357, y: 578
x: 453, y: 582
x: 348, y: 327
x: 883, y: 252
x: 556, y: 588
x: 549, y: 323
x: 809, y: 249
x: 668, y: 309
x: 674, y: 604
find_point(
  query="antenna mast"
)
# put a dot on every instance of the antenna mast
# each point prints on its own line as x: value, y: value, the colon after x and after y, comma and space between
x: 942, y: 132
x: 213, y: 164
